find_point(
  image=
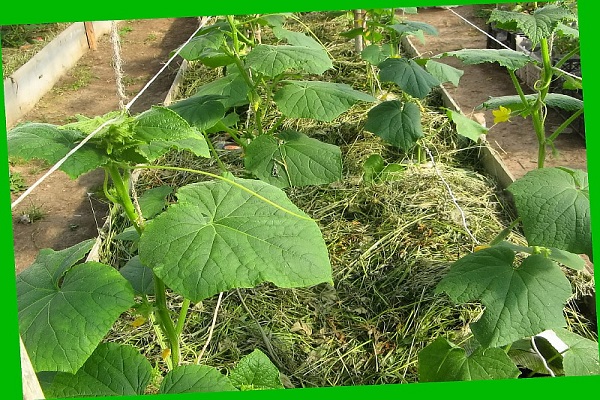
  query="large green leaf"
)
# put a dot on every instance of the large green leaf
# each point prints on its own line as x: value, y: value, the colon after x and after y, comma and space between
x: 514, y: 102
x: 519, y: 301
x: 203, y: 112
x: 48, y: 142
x: 376, y: 54
x: 274, y: 60
x: 443, y: 361
x: 254, y: 372
x: 510, y: 59
x: 232, y: 86
x: 554, y: 206
x: 112, y: 370
x: 408, y: 75
x: 293, y: 159
x: 154, y: 200
x: 395, y: 122
x: 194, y: 379
x: 220, y: 236
x: 195, y: 143
x: 296, y: 38
x: 194, y: 49
x: 466, y: 127
x: 65, y: 310
x: 582, y: 356
x: 161, y: 124
x: 444, y: 72
x: 323, y: 101
x: 536, y: 26
x: 139, y: 276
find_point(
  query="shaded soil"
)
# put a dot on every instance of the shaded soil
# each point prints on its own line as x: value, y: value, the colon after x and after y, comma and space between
x: 71, y: 210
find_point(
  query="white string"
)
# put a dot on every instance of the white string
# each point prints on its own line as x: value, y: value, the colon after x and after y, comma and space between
x: 202, y: 23
x: 499, y: 42
x: 118, y: 63
x: 462, y: 213
x: 88, y: 137
x: 211, y: 329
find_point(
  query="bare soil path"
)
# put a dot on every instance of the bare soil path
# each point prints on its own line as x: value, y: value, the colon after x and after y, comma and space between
x: 71, y: 210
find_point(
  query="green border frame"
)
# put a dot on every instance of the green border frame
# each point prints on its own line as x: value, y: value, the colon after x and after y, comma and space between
x: 38, y: 11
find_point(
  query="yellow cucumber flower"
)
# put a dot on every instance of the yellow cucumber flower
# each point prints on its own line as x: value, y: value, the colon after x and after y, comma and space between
x: 502, y: 114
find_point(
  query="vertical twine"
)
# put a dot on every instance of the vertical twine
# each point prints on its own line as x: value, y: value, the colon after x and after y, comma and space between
x: 118, y: 64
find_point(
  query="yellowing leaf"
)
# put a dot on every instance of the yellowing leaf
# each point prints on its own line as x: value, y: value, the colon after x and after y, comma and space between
x: 502, y: 114
x: 139, y: 321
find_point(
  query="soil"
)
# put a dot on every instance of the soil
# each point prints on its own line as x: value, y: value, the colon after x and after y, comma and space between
x: 71, y: 210
x: 514, y: 141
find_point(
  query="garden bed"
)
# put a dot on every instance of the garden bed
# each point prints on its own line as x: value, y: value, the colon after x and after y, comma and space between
x: 393, y: 225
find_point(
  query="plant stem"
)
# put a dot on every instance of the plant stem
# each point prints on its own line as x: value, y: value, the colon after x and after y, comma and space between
x: 212, y: 149
x: 164, y: 320
x: 504, y: 232
x: 182, y: 315
x: 562, y: 126
x: 518, y: 87
x: 566, y: 57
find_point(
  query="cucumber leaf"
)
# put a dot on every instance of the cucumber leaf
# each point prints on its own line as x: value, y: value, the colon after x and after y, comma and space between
x: 323, y: 101
x: 195, y: 378
x: 255, y: 372
x: 220, y: 236
x: 519, y: 301
x: 293, y: 159
x: 274, y: 60
x: 554, y: 206
x: 408, y: 75
x: 396, y: 122
x: 112, y: 370
x: 443, y: 361
x: 65, y: 310
x: 510, y: 59
x: 536, y: 26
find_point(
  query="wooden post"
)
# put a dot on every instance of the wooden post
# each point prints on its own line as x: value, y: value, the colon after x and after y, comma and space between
x: 359, y: 22
x: 89, y: 33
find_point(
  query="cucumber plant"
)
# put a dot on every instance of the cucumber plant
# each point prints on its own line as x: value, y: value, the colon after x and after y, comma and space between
x: 523, y: 288
x: 221, y: 234
x: 277, y: 81
x: 540, y: 27
x: 398, y: 120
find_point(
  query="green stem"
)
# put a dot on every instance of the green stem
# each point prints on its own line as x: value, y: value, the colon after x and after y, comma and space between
x: 562, y: 126
x: 212, y: 149
x: 505, y: 232
x: 105, y: 188
x: 229, y: 181
x: 123, y: 198
x: 278, y: 123
x: 566, y: 57
x: 182, y: 315
x: 538, y: 126
x: 518, y: 87
x: 234, y: 34
x: 164, y: 320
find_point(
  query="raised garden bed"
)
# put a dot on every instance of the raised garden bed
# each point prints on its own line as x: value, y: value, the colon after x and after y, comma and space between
x: 386, y: 215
